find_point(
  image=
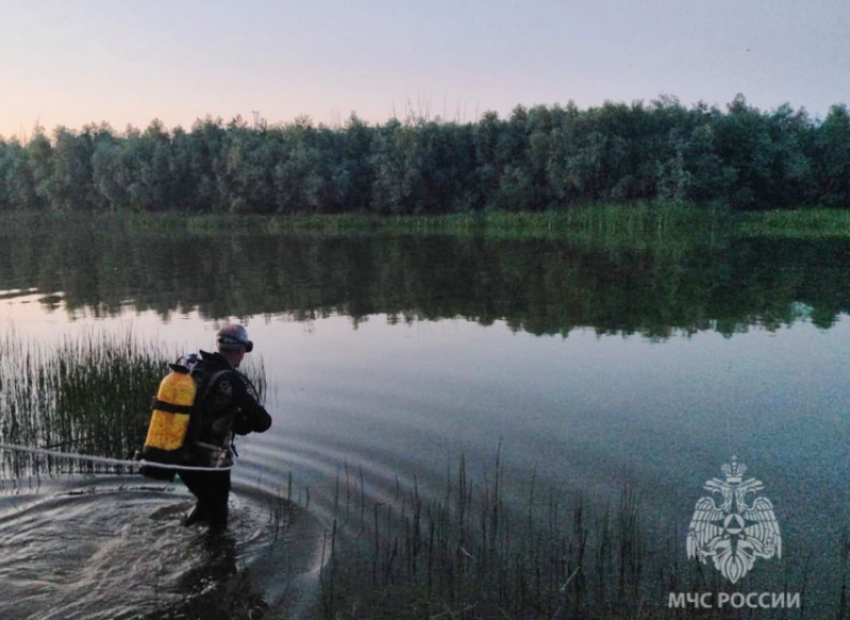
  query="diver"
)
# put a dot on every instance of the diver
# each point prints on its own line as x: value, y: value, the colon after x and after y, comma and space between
x: 229, y: 405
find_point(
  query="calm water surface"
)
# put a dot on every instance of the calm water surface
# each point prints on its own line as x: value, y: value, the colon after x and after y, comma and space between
x: 592, y: 365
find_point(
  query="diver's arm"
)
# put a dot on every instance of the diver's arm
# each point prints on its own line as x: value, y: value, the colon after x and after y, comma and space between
x: 252, y: 416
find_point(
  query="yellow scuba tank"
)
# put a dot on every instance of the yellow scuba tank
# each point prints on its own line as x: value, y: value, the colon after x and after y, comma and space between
x: 172, y: 410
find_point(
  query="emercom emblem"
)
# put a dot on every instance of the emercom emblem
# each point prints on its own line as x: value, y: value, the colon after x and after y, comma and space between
x: 734, y: 533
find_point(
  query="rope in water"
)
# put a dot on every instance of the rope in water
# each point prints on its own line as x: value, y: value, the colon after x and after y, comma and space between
x: 108, y: 461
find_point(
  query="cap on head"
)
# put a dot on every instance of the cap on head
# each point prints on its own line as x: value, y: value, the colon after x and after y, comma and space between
x: 231, y: 336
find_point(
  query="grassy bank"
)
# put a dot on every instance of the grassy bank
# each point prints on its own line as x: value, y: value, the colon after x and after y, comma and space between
x: 615, y: 222
x: 611, y: 220
x: 622, y: 223
x: 797, y: 224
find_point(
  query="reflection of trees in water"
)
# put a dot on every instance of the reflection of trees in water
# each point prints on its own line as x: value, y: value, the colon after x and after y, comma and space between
x: 542, y: 286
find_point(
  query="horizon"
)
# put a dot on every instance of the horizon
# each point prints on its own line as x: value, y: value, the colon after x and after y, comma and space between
x: 411, y: 115
x: 70, y: 64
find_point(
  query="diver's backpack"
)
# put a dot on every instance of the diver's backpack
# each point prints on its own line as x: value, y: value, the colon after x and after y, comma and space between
x: 174, y: 414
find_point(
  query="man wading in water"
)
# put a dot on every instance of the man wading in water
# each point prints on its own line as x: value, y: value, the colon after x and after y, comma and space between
x: 230, y: 405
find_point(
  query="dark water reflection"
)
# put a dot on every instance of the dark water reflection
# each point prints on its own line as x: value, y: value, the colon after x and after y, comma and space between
x: 542, y: 286
x: 395, y: 354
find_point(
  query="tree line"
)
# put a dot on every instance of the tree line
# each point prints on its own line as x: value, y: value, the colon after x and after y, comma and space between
x: 538, y: 158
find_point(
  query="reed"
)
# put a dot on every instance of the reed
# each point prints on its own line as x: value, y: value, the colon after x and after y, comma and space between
x: 614, y: 224
x: 86, y: 394
x: 638, y: 222
x: 813, y: 224
x: 608, y: 218
x: 506, y: 549
x: 474, y: 553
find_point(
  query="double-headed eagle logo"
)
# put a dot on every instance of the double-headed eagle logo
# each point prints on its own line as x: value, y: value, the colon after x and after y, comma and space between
x: 734, y: 533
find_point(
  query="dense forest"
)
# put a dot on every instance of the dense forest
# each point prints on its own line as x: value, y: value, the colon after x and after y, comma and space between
x: 545, y: 157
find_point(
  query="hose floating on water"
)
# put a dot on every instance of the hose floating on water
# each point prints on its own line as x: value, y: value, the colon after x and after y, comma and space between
x: 106, y: 460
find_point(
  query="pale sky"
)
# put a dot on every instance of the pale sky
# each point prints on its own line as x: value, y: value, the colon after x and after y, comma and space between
x: 72, y: 62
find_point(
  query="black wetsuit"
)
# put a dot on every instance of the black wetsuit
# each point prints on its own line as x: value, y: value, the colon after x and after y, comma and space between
x: 230, y: 405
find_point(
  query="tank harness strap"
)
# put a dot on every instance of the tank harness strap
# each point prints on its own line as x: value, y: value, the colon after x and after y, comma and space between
x: 170, y: 407
x: 206, y: 385
x: 211, y: 382
x: 196, y: 409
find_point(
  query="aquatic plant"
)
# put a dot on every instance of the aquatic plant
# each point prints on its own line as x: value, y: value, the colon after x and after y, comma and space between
x: 507, y: 549
x: 87, y: 394
x: 496, y: 549
x: 811, y: 224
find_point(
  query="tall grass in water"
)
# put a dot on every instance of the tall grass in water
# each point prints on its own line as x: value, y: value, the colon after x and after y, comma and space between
x: 88, y: 394
x: 618, y: 224
x: 813, y: 224
x: 479, y: 553
x: 624, y: 225
x: 474, y: 553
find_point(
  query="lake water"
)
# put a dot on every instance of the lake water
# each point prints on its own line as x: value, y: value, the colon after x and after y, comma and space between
x: 591, y: 365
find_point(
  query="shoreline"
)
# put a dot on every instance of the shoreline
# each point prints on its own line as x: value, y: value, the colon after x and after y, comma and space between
x: 624, y: 221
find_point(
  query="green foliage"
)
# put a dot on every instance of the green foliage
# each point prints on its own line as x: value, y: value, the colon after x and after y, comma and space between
x: 540, y: 158
x: 833, y: 164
